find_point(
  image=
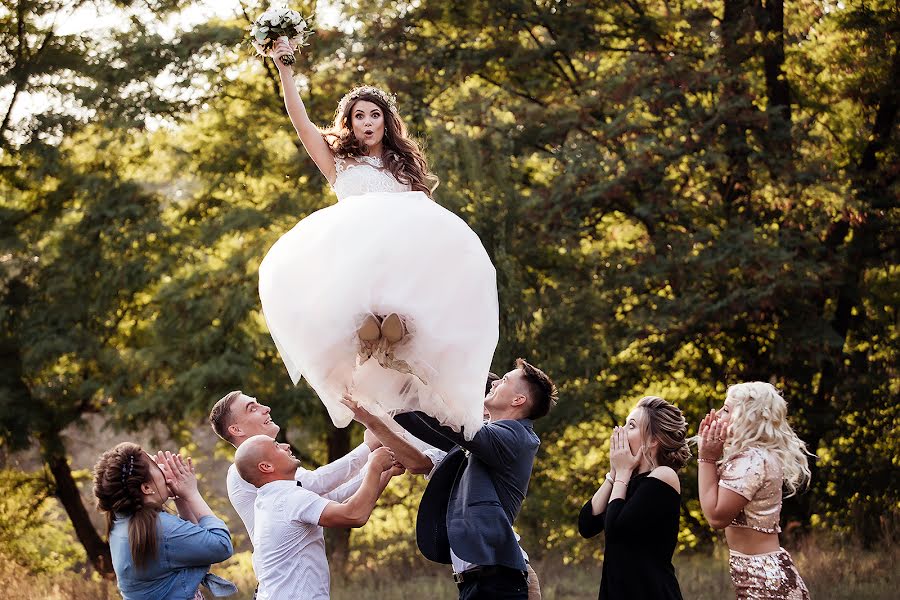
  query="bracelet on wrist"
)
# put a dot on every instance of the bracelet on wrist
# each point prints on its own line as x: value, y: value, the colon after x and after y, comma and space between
x: 621, y: 481
x: 609, y: 479
x: 707, y: 460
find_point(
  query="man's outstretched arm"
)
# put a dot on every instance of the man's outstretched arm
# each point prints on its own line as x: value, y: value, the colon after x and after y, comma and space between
x: 495, y: 443
x: 335, y: 474
x: 404, y: 452
x: 355, y: 512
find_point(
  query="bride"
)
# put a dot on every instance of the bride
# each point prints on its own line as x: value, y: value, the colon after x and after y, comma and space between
x: 385, y: 294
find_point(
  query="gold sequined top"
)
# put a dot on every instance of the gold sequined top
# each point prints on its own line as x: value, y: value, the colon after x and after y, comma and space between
x: 755, y: 474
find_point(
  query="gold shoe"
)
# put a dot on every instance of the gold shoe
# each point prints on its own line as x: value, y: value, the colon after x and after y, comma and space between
x: 370, y: 330
x: 392, y: 328
x: 368, y: 333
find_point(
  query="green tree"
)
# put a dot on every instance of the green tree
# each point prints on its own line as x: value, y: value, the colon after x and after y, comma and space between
x: 689, y: 205
x: 79, y: 242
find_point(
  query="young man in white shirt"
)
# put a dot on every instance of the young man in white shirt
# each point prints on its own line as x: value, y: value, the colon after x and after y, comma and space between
x: 237, y: 417
x: 289, y: 546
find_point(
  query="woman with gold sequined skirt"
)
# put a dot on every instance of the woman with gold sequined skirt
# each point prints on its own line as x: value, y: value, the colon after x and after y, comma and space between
x: 748, y: 453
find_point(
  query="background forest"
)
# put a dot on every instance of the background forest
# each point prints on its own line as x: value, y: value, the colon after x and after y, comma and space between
x: 678, y: 195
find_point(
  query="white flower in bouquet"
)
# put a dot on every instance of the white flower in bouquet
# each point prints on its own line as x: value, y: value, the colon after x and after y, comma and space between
x: 278, y: 23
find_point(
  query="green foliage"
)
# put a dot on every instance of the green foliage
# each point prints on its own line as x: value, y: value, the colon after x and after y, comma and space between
x: 659, y: 229
x: 34, y: 532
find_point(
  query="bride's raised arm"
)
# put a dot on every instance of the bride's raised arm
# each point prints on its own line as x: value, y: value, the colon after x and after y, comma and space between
x: 309, y: 134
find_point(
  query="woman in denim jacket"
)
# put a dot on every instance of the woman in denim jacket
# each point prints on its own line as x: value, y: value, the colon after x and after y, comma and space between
x: 156, y: 555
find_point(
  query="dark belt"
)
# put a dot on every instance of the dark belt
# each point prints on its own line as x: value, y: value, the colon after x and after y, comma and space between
x: 479, y: 572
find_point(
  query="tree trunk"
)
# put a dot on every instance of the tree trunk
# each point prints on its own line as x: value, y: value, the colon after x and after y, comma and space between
x: 54, y: 454
x: 778, y: 106
x: 338, y: 539
x: 9, y: 110
x: 738, y: 25
x: 885, y: 121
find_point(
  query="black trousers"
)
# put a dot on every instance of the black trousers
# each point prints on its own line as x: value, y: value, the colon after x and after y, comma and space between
x: 504, y: 584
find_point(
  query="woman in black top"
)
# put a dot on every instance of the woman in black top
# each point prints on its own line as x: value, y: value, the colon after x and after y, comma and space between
x: 638, y: 504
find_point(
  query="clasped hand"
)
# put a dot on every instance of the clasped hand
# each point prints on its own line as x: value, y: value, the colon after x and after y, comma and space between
x: 712, y: 436
x: 383, y: 460
x: 179, y: 473
x: 622, y: 462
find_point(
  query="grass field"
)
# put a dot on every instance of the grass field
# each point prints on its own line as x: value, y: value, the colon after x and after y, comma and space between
x: 832, y: 572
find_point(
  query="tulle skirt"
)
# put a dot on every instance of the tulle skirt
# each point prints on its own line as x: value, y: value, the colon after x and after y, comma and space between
x: 380, y: 253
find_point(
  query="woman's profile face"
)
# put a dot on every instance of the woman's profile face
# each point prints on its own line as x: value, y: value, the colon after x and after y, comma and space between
x: 633, y: 430
x: 724, y: 413
x: 367, y: 120
x: 158, y: 489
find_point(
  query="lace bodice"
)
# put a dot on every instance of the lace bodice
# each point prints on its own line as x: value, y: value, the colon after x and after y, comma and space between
x: 363, y: 175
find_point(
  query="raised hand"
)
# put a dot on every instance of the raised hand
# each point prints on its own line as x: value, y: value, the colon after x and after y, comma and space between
x: 283, y: 47
x: 712, y: 437
x: 360, y: 414
x: 621, y: 460
x: 707, y: 421
x: 180, y: 476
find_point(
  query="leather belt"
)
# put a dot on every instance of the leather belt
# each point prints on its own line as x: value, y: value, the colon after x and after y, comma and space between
x: 479, y: 572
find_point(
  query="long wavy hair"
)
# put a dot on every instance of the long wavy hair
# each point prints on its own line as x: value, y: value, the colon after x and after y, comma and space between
x: 401, y: 155
x: 664, y: 423
x: 118, y: 476
x: 758, y: 419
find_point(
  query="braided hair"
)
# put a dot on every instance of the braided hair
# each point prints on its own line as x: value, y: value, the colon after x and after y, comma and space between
x: 118, y: 476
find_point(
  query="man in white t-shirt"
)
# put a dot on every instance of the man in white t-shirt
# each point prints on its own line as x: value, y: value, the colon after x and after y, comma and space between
x: 237, y: 417
x: 289, y: 546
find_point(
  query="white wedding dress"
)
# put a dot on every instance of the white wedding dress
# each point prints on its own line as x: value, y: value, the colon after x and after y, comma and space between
x: 384, y: 249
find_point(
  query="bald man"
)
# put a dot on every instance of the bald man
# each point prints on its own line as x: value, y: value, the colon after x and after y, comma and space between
x: 237, y: 417
x: 288, y: 538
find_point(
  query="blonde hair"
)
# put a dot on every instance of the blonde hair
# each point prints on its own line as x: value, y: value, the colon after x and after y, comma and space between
x: 664, y: 423
x: 758, y: 419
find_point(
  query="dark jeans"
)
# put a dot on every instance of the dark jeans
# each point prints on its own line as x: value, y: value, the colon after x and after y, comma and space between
x: 506, y: 584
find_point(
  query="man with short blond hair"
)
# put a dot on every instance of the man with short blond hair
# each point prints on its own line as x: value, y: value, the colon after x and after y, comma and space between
x: 237, y: 417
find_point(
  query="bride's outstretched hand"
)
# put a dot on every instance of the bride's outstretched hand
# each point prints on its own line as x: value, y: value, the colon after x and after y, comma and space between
x: 283, y: 47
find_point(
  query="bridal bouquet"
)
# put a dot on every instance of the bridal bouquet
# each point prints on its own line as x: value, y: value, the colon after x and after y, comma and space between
x: 276, y: 23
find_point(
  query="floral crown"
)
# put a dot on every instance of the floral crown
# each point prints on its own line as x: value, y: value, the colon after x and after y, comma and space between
x: 363, y: 90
